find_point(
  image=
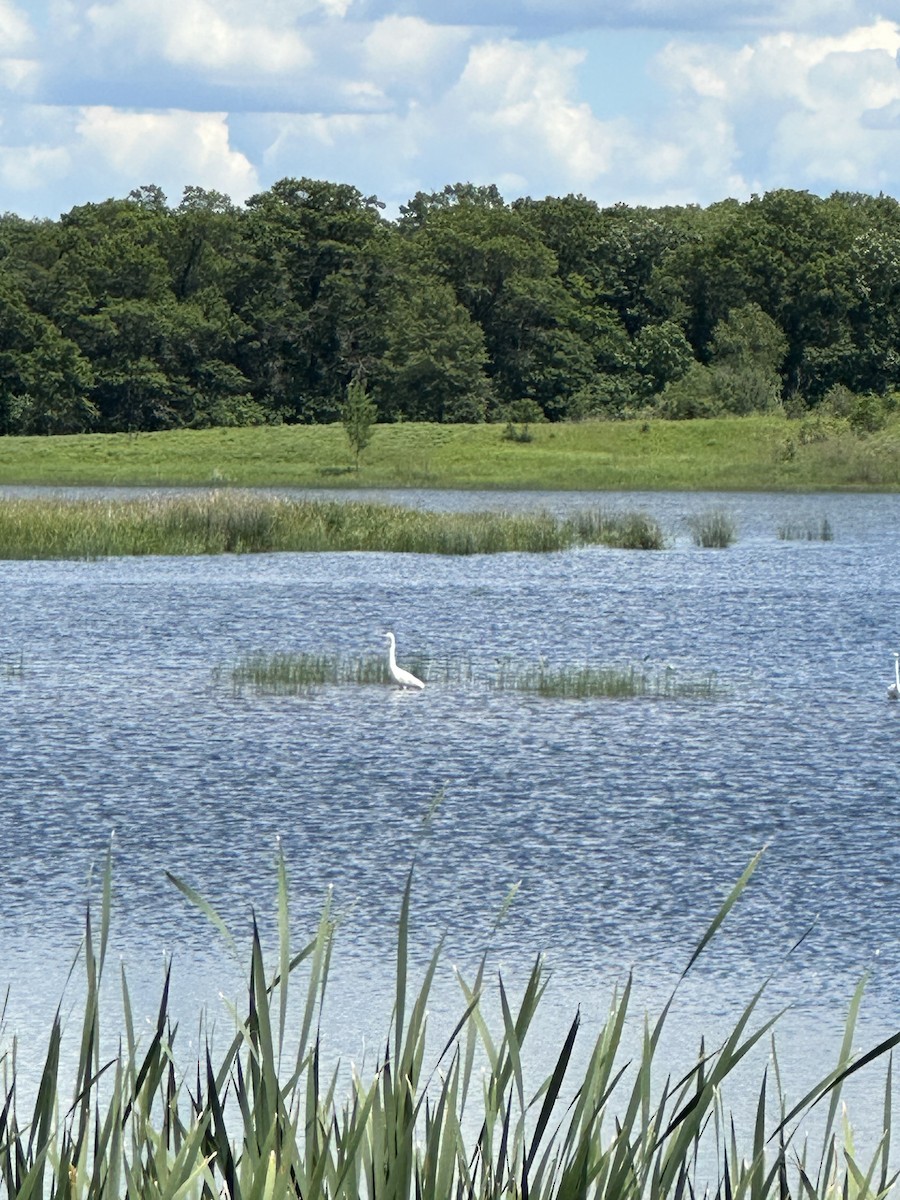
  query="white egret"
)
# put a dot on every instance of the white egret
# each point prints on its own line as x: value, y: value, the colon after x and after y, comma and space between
x: 405, y: 678
x: 894, y: 689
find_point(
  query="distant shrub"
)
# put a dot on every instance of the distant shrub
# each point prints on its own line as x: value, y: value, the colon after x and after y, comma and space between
x: 819, y: 426
x: 863, y: 412
x: 610, y: 397
x: 520, y: 416
x: 795, y: 406
x: 838, y: 401
x: 868, y: 415
x: 691, y: 396
x: 745, y: 388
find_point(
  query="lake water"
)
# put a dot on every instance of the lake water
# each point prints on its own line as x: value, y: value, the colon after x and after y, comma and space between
x: 626, y: 822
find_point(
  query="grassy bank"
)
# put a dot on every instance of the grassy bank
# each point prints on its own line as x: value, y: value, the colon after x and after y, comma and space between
x: 245, y: 522
x: 736, y: 453
x: 264, y: 1116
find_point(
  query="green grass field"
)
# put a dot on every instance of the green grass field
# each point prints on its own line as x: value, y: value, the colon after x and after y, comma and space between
x: 759, y: 453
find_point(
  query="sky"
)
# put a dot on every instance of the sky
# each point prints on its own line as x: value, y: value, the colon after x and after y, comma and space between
x: 636, y: 101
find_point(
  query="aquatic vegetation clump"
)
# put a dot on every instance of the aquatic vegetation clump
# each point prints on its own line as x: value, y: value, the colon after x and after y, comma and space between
x: 619, y: 530
x: 806, y: 531
x: 714, y: 530
x: 610, y: 682
x: 293, y: 674
x: 14, y: 668
x: 264, y: 1116
x: 301, y: 673
x: 229, y: 522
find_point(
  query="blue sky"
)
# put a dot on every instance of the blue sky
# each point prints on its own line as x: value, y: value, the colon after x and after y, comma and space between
x: 642, y: 101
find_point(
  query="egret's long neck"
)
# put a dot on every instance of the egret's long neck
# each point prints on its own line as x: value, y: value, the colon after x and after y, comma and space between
x: 897, y: 671
x: 392, y: 657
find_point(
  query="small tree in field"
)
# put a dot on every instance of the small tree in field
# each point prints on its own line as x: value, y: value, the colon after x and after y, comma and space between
x: 358, y: 415
x: 520, y: 416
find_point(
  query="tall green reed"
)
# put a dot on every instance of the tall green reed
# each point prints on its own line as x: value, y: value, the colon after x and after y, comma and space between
x: 623, y: 531
x: 266, y: 1118
x: 611, y: 682
x: 244, y: 522
x: 715, y: 529
x: 302, y: 673
x: 806, y: 531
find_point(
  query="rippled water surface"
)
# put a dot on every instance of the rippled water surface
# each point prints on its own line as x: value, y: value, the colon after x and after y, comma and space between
x: 625, y: 821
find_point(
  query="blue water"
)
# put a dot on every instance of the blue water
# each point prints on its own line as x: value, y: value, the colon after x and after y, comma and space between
x: 624, y: 822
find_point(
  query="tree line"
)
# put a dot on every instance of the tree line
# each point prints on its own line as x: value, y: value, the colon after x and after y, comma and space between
x: 134, y: 314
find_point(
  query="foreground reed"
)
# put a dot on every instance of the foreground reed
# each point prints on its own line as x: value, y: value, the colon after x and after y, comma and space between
x: 264, y: 1118
x: 241, y: 523
x: 300, y: 673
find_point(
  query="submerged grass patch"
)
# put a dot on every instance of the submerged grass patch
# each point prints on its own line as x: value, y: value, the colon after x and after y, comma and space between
x: 610, y: 682
x: 267, y: 1116
x: 302, y: 673
x: 14, y: 668
x: 240, y: 523
x: 806, y: 531
x: 290, y: 674
x: 298, y: 673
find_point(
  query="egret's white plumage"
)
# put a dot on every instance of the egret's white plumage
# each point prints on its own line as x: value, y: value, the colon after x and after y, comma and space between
x: 405, y: 678
x: 894, y: 689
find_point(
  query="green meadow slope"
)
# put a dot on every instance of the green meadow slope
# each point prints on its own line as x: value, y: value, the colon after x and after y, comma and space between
x: 755, y: 453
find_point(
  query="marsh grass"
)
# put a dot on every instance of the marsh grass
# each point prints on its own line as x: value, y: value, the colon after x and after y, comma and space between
x: 605, y: 682
x: 14, y: 668
x: 806, y: 531
x: 622, y: 531
x: 267, y: 1117
x: 714, y: 530
x: 242, y: 522
x: 293, y: 674
x: 301, y: 673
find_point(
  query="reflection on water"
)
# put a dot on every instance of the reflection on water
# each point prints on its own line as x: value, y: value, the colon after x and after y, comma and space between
x: 626, y: 821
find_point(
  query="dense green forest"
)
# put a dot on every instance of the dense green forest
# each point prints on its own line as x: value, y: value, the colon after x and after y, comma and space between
x: 136, y: 314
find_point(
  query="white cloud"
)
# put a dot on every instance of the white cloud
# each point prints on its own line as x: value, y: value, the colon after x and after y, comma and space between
x: 19, y: 74
x: 16, y: 33
x: 170, y: 149
x: 397, y: 95
x: 32, y: 168
x: 403, y: 47
x: 523, y: 96
x: 200, y: 34
x: 801, y: 107
x: 511, y: 119
x: 17, y: 70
